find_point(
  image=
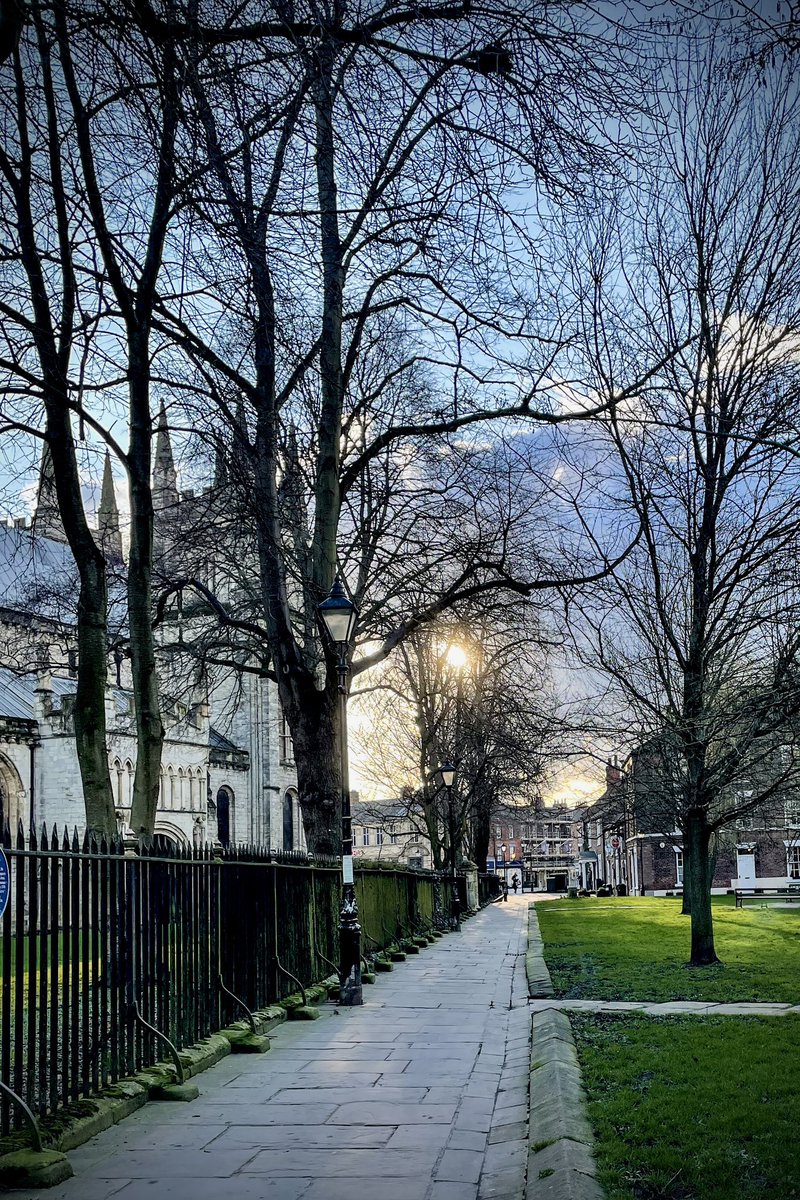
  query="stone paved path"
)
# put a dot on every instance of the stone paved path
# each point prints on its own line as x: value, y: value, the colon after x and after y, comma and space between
x: 422, y: 1094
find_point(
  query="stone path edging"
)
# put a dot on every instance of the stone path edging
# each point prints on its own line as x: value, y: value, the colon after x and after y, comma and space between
x: 561, y: 1163
x: 539, y: 983
x: 669, y: 1008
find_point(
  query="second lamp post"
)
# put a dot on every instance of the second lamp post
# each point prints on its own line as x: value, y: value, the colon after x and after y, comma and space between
x: 448, y: 774
x: 339, y: 616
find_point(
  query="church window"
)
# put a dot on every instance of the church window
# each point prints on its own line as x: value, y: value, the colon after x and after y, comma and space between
x: 116, y: 782
x: 171, y: 783
x: 286, y: 744
x: 128, y: 801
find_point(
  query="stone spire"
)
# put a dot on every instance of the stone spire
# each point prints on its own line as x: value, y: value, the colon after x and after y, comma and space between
x: 47, y: 519
x: 108, y: 515
x: 165, y: 477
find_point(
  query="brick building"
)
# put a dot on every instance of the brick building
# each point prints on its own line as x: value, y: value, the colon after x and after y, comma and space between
x: 627, y: 840
x: 538, y: 843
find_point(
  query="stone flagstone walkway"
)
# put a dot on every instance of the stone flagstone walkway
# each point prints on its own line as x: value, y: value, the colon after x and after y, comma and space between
x: 422, y: 1094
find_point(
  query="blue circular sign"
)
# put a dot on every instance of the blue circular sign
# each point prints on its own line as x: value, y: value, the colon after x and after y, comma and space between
x: 5, y: 881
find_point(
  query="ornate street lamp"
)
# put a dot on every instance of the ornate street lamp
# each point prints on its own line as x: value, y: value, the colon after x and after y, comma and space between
x: 503, y: 863
x: 448, y: 774
x: 339, y: 615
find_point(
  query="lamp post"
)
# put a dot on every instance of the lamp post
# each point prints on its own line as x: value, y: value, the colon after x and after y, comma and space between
x: 448, y: 774
x: 503, y: 863
x: 338, y: 614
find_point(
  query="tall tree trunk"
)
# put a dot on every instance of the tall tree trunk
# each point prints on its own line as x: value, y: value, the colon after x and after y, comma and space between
x: 697, y: 837
x: 149, y: 726
x: 314, y: 725
x: 89, y: 716
x: 686, y: 904
x: 52, y: 335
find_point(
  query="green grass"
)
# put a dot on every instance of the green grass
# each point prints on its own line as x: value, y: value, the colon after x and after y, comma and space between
x: 688, y: 1108
x: 637, y: 949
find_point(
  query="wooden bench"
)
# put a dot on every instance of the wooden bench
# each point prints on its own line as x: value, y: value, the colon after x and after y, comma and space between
x: 790, y: 893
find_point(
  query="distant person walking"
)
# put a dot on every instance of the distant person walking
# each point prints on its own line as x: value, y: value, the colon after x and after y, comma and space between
x: 514, y: 883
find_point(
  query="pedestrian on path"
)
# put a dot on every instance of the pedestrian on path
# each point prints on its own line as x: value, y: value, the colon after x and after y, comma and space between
x: 514, y: 882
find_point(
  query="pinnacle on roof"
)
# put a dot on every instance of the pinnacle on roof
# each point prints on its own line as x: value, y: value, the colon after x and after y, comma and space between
x: 108, y: 514
x: 47, y: 518
x: 165, y: 477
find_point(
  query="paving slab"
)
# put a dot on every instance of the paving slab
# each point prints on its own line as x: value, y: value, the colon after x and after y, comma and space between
x: 421, y: 1093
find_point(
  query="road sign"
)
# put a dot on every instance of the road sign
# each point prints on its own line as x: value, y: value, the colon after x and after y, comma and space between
x: 5, y: 882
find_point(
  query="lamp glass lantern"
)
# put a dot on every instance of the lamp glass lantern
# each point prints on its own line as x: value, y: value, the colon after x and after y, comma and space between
x: 339, y: 614
x: 448, y: 774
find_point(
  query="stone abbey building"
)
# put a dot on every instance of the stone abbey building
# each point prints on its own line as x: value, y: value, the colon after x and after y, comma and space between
x: 227, y: 766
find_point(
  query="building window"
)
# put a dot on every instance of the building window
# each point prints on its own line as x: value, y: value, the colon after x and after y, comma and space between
x: 379, y: 837
x: 512, y: 850
x: 365, y: 836
x: 679, y: 867
x: 498, y: 832
x: 793, y: 862
x: 415, y: 862
x: 393, y: 837
x: 511, y: 831
x: 287, y: 746
x: 793, y: 814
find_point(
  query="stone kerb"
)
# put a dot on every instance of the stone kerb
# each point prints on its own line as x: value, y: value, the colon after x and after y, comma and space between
x: 540, y: 986
x: 561, y: 1163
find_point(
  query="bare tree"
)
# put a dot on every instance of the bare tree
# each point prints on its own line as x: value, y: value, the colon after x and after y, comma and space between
x: 101, y: 188
x: 472, y: 690
x: 44, y: 330
x: 370, y: 292
x: 699, y: 628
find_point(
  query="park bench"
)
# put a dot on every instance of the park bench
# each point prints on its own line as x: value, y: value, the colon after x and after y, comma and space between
x: 789, y: 893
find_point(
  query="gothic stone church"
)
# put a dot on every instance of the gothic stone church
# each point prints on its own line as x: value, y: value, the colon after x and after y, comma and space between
x: 227, y: 770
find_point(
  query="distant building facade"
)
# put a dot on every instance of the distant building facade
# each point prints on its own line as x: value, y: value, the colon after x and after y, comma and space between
x: 387, y: 831
x: 624, y: 843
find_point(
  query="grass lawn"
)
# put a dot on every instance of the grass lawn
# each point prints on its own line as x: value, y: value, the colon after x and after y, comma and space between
x: 632, y: 948
x: 688, y: 1108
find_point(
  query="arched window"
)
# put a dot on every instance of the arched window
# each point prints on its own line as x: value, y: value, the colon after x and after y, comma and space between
x: 116, y: 783
x: 181, y: 789
x: 200, y: 777
x: 224, y: 812
x: 172, y: 801
x: 289, y: 801
x: 128, y: 801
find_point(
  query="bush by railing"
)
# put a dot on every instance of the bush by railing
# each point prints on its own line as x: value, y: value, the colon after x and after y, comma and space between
x: 90, y: 931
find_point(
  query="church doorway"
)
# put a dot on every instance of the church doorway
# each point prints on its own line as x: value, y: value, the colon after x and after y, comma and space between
x: 224, y: 804
x: 12, y: 797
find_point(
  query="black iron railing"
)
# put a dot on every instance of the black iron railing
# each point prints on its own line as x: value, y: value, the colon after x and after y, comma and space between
x: 93, y: 931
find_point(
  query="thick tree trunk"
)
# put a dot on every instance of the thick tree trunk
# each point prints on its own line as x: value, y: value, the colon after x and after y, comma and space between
x: 686, y: 905
x: 314, y: 725
x: 697, y: 837
x: 149, y: 726
x: 90, y: 708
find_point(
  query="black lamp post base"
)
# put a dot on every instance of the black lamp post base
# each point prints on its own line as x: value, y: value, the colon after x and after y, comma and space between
x: 350, y: 991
